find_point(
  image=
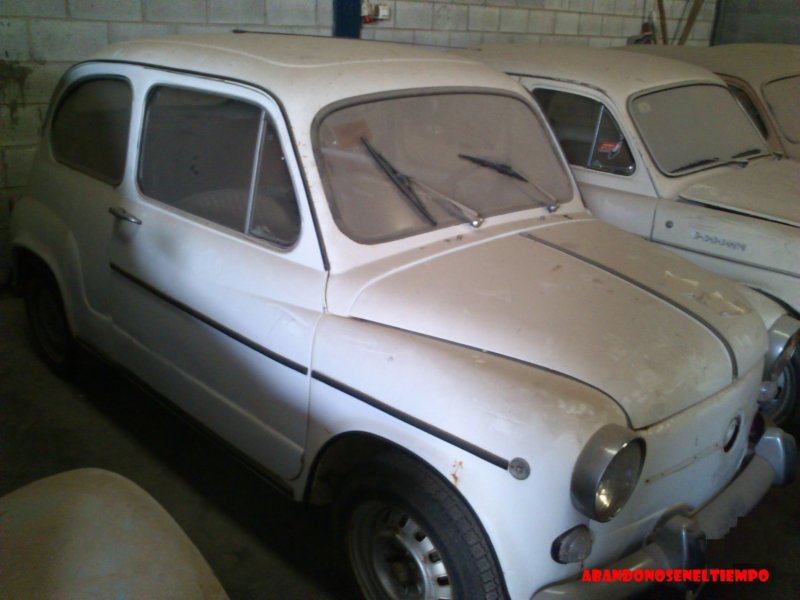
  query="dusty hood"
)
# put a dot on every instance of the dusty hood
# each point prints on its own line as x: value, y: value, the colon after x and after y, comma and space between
x: 654, y: 332
x: 769, y: 189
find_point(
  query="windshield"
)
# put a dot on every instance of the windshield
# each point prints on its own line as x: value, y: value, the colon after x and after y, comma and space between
x: 783, y: 97
x: 695, y: 126
x: 401, y: 166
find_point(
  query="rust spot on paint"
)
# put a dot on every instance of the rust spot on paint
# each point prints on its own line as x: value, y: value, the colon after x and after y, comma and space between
x: 457, y: 466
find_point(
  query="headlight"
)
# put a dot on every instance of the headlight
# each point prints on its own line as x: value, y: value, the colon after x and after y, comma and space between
x: 607, y: 471
x: 784, y: 339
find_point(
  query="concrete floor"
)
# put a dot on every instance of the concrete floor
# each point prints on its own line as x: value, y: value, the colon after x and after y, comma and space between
x: 260, y: 544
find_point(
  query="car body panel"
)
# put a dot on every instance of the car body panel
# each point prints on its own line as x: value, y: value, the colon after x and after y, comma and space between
x: 507, y: 407
x: 774, y: 183
x: 455, y: 303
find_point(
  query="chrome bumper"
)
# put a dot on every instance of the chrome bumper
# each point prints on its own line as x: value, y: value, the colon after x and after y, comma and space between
x: 680, y: 542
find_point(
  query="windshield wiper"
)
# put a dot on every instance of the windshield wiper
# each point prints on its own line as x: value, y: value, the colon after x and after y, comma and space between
x: 505, y: 169
x: 748, y: 152
x: 697, y: 163
x: 402, y: 181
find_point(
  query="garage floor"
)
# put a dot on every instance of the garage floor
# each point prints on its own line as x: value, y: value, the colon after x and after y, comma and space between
x: 260, y: 545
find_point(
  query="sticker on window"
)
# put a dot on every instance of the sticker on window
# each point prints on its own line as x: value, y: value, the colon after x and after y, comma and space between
x: 609, y: 147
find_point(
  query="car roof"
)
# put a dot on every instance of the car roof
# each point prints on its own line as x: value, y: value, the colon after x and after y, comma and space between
x: 619, y: 75
x: 291, y: 65
x: 755, y: 63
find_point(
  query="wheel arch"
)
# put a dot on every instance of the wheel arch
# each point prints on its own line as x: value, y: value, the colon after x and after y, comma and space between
x: 341, y: 455
x: 780, y: 302
x: 345, y: 453
x: 24, y: 262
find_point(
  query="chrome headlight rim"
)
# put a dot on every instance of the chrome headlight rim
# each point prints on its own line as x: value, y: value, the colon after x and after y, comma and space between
x: 609, y: 444
x: 784, y: 341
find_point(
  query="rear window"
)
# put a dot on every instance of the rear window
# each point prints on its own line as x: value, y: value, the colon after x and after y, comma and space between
x: 90, y: 128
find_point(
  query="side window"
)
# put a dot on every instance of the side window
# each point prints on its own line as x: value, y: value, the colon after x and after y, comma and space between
x: 275, y: 216
x: 588, y: 134
x: 206, y: 153
x: 90, y: 128
x: 198, y: 152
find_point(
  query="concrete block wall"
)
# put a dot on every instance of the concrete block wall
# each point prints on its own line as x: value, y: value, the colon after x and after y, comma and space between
x: 39, y: 39
x: 597, y: 23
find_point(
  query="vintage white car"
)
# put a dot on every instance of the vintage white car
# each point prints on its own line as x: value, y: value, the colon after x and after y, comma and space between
x: 764, y: 77
x: 662, y: 149
x: 369, y: 269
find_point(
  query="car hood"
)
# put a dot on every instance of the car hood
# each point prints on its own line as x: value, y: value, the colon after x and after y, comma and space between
x: 768, y: 189
x: 578, y: 297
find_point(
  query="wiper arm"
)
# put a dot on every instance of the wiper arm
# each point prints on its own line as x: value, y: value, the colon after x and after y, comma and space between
x: 470, y: 215
x: 402, y: 181
x: 697, y: 163
x: 505, y: 169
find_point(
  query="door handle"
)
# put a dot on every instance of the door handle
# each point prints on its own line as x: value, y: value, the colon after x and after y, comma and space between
x: 124, y: 215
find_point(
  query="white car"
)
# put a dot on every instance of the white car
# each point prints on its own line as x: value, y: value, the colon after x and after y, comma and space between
x: 369, y: 270
x: 662, y: 149
x: 764, y: 77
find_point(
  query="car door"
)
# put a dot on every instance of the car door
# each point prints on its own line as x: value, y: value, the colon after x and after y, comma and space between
x: 217, y: 278
x: 608, y: 170
x: 88, y: 137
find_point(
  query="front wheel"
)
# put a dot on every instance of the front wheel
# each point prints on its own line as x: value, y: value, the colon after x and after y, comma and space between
x: 783, y: 408
x: 408, y: 535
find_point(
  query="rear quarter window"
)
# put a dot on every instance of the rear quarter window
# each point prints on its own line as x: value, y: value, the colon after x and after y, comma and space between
x: 90, y: 128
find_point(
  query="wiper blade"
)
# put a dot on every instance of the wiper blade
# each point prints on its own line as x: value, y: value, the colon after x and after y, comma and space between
x: 552, y: 204
x: 402, y: 181
x: 503, y: 168
x: 697, y: 163
x: 748, y: 152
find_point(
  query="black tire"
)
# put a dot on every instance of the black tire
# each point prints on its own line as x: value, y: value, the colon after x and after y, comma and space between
x: 408, y: 534
x: 52, y: 337
x: 783, y: 409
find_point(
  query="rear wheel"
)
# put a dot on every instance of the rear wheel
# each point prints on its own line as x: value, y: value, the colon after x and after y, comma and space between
x: 408, y: 535
x: 52, y: 337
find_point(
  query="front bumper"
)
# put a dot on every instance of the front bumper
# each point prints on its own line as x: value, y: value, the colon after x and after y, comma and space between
x: 680, y: 541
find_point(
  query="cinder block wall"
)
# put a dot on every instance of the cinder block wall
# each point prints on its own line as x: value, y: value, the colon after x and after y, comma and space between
x: 39, y: 39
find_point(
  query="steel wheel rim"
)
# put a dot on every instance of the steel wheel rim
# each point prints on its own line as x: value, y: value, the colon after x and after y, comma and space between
x: 781, y: 407
x: 394, y: 557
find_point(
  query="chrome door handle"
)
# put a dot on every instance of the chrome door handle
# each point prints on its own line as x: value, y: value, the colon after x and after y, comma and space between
x: 124, y: 215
